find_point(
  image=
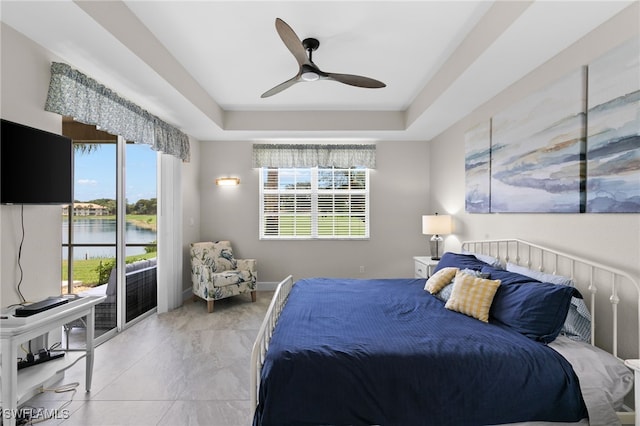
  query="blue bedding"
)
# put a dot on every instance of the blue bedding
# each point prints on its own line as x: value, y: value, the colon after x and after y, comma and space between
x: 361, y: 352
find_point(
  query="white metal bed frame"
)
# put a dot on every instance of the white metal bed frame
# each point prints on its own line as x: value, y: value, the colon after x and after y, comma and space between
x: 587, y: 274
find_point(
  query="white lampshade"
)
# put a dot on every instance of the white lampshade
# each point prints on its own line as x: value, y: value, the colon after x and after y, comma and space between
x: 436, y: 224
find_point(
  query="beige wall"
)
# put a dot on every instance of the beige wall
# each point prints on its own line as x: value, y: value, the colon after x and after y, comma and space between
x: 399, y: 188
x: 24, y: 85
x: 25, y: 75
x: 612, y: 239
x: 412, y: 178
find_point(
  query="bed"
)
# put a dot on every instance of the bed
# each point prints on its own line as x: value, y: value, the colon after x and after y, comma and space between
x: 416, y: 351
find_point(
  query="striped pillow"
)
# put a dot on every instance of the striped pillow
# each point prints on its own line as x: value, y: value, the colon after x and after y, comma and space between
x: 440, y: 279
x: 472, y: 296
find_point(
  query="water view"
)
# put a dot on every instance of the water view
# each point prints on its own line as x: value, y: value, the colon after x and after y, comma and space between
x: 103, y: 231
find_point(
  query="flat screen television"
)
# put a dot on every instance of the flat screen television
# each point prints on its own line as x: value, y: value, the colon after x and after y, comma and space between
x: 36, y: 167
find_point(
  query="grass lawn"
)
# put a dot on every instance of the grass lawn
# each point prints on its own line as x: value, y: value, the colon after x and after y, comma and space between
x: 300, y: 226
x: 147, y: 221
x: 87, y: 270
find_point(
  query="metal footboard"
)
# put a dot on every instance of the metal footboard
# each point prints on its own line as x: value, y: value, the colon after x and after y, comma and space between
x: 261, y: 343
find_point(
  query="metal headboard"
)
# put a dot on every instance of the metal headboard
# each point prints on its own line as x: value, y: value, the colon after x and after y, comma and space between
x: 589, y: 276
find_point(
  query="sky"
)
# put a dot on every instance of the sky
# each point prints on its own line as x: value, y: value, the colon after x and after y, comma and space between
x: 95, y: 173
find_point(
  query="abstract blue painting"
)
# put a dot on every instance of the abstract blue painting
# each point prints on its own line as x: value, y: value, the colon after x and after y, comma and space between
x: 477, y: 168
x: 538, y: 148
x: 613, y: 134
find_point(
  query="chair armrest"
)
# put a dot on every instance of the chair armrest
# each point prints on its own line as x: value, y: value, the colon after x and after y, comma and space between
x: 247, y: 265
x: 201, y: 269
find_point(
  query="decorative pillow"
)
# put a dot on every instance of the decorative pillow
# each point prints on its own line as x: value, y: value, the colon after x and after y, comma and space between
x: 440, y: 279
x: 460, y: 261
x: 445, y: 293
x: 218, y: 256
x: 472, y: 296
x: 224, y: 259
x: 537, y: 310
x: 577, y: 326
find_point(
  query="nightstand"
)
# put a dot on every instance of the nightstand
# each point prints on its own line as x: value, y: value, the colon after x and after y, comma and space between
x: 422, y: 266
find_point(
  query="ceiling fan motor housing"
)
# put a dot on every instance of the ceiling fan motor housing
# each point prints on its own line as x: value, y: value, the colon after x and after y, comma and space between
x: 310, y: 43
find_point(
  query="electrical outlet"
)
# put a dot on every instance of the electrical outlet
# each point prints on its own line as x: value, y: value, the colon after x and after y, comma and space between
x: 361, y: 269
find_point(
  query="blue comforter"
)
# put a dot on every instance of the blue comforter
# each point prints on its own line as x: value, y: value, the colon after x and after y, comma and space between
x: 361, y: 352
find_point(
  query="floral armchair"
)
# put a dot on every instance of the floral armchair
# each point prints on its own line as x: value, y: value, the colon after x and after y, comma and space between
x: 216, y: 274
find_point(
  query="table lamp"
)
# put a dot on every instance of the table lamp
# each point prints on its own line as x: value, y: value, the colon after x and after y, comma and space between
x: 436, y: 225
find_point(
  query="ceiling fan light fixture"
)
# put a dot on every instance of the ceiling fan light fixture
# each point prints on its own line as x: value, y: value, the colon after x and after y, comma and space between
x: 309, y: 71
x: 310, y: 76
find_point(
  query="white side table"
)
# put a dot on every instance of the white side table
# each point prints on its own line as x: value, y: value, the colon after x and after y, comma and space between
x: 19, y: 386
x: 422, y: 266
x: 634, y: 364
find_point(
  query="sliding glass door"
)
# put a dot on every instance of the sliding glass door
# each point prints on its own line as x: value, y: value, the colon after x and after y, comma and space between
x: 109, y: 233
x: 140, y: 236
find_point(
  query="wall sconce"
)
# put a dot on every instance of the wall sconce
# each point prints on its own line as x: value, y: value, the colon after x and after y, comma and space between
x: 436, y: 225
x: 228, y: 181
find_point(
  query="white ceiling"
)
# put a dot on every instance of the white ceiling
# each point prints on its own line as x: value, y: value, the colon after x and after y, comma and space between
x: 202, y: 65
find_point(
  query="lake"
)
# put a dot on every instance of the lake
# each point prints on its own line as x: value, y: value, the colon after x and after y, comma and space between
x: 103, y: 231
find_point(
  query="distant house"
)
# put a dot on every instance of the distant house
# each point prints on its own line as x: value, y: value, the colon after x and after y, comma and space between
x: 86, y: 209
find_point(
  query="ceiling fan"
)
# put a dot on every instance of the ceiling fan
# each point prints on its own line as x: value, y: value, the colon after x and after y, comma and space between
x: 303, y: 51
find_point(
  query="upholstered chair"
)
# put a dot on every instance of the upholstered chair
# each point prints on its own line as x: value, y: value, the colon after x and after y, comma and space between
x: 216, y: 274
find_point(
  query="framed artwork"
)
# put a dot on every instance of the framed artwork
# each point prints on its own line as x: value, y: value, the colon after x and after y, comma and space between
x: 538, y: 148
x: 477, y: 161
x: 613, y: 134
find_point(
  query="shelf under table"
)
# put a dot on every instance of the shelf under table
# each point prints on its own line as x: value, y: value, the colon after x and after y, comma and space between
x: 30, y: 379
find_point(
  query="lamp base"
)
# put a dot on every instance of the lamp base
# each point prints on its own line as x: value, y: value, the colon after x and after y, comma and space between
x: 434, y: 244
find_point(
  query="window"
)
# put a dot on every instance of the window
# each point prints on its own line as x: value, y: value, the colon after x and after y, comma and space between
x: 314, y: 203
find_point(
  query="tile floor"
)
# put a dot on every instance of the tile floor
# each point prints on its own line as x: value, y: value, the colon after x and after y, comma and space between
x: 184, y: 367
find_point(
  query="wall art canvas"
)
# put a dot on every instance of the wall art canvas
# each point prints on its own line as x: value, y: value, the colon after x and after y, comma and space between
x: 613, y: 134
x: 537, y: 151
x: 477, y: 142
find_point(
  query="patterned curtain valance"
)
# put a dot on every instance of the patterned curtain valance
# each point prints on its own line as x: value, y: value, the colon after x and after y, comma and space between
x: 76, y: 95
x: 303, y: 155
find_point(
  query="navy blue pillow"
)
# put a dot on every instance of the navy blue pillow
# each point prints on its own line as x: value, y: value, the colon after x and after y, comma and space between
x: 537, y: 310
x: 460, y: 261
x: 507, y: 277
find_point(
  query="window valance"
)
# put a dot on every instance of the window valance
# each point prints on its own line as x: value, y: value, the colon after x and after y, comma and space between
x: 76, y: 95
x: 312, y: 155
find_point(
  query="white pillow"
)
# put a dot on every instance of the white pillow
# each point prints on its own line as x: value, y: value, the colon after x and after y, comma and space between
x: 540, y: 276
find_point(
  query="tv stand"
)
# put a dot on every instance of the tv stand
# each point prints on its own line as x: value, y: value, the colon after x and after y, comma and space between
x: 18, y: 387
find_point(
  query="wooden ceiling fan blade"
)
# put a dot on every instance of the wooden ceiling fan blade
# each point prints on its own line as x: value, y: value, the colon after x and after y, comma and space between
x: 356, y: 80
x: 280, y: 87
x: 291, y: 41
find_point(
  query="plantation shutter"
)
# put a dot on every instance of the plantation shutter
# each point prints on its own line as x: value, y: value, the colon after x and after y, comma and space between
x: 314, y: 191
x: 314, y: 203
